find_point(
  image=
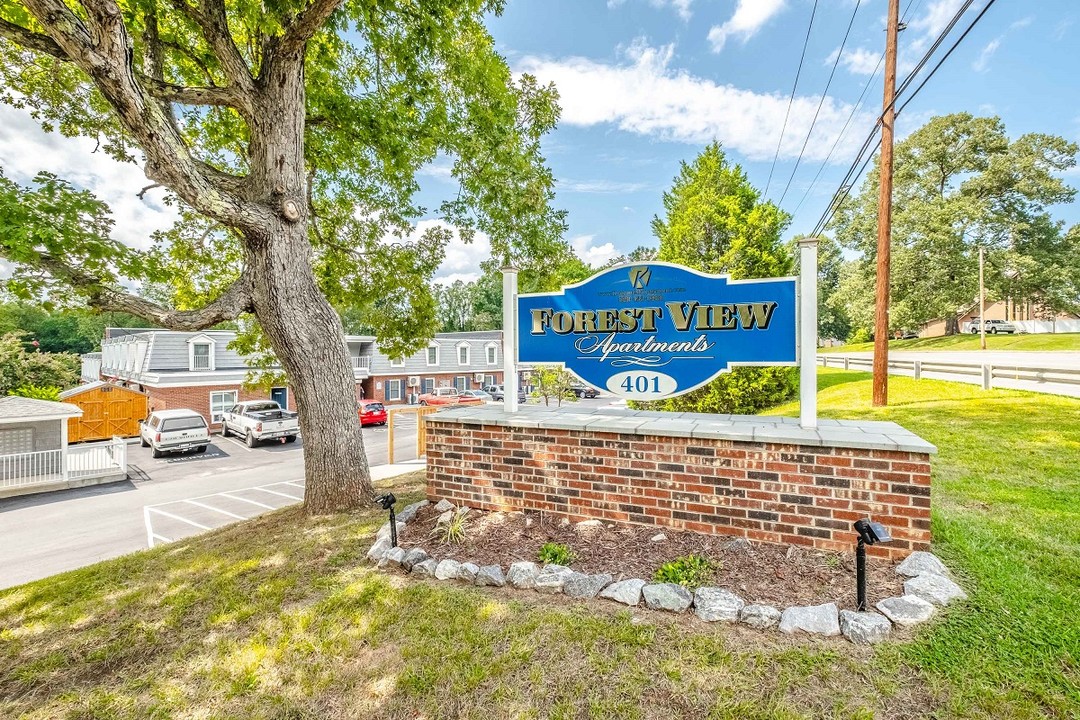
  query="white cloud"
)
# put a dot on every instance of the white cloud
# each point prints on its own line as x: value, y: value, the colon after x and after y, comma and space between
x: 682, y: 7
x: 601, y: 187
x: 748, y: 18
x: 593, y: 255
x: 462, y: 260
x: 983, y: 61
x: 937, y: 16
x: 859, y: 61
x: 25, y: 150
x: 1021, y: 23
x: 645, y: 95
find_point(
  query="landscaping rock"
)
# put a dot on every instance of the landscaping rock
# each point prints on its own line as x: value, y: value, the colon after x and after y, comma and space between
x: 407, y: 515
x: 759, y: 616
x: 414, y: 556
x: 425, y: 568
x: 934, y: 588
x: 667, y: 596
x: 393, y: 558
x: 384, y: 531
x: 447, y: 569
x: 467, y: 571
x: 444, y: 505
x: 587, y: 524
x: 445, y: 518
x: 813, y: 619
x: 628, y: 592
x: 864, y: 628
x: 659, y: 537
x: 907, y: 610
x: 712, y: 604
x: 920, y: 563
x: 579, y: 585
x: 737, y: 545
x: 522, y: 575
x: 552, y: 578
x: 490, y: 575
x: 378, y: 550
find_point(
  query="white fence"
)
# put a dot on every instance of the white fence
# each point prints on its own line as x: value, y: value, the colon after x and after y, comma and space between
x: 82, y: 462
x: 979, y: 373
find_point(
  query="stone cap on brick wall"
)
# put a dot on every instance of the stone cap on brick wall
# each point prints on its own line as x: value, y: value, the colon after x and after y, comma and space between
x: 861, y: 434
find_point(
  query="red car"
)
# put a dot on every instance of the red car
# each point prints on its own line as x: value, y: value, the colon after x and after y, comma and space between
x: 372, y: 412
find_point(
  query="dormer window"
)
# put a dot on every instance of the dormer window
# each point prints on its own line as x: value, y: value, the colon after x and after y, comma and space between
x: 492, y: 354
x: 463, y: 353
x: 433, y: 355
x: 200, y: 353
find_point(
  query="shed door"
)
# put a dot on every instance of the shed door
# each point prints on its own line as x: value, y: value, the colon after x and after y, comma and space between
x: 16, y: 440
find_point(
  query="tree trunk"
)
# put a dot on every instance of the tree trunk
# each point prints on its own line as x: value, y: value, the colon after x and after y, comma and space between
x: 952, y: 324
x: 304, y: 330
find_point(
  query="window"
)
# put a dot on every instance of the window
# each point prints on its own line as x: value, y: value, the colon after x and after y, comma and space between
x: 429, y: 384
x: 200, y: 353
x: 393, y: 390
x: 489, y: 380
x: 492, y: 354
x: 463, y: 354
x: 184, y: 423
x: 17, y: 440
x: 461, y: 382
x: 220, y: 402
x: 433, y: 355
x: 400, y: 362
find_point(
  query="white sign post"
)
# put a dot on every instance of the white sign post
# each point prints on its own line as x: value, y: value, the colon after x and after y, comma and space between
x: 808, y: 332
x: 510, y: 340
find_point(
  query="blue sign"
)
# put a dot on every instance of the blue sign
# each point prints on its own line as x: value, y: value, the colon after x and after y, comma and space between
x: 656, y: 330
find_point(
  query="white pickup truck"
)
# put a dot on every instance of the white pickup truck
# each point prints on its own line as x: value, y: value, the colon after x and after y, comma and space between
x: 259, y: 420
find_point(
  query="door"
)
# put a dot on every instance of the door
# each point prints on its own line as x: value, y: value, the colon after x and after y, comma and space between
x: 280, y: 396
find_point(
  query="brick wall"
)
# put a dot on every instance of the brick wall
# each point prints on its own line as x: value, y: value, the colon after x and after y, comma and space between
x: 778, y: 493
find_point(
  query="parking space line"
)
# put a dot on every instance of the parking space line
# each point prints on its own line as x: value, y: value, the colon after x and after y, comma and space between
x: 252, y: 502
x: 275, y: 492
x: 181, y: 519
x: 290, y: 482
x: 162, y: 538
x: 236, y: 442
x: 211, y: 507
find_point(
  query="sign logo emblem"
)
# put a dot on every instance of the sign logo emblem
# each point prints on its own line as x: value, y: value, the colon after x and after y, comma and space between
x: 639, y: 277
x: 653, y: 331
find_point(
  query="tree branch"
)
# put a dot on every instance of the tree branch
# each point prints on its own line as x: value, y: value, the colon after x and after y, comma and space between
x: 210, y: 17
x: 236, y: 300
x: 218, y: 96
x: 306, y: 24
x: 30, y: 39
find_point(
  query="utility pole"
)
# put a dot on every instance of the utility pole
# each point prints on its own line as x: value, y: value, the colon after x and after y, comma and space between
x: 982, y: 299
x: 884, y: 242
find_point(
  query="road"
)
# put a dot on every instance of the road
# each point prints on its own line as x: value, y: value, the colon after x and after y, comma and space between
x: 163, y: 500
x: 1002, y: 361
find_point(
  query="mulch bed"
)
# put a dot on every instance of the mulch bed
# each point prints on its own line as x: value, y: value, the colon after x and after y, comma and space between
x: 778, y: 575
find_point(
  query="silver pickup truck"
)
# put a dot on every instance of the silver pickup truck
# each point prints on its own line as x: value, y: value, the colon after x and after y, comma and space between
x: 259, y: 420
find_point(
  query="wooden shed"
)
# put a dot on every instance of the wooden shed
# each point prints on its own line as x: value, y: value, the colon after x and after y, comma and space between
x: 108, y: 411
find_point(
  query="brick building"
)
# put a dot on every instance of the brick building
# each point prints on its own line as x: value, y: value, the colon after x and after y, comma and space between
x: 199, y: 370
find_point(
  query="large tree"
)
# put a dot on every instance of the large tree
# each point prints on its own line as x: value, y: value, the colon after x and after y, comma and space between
x: 290, y: 134
x: 716, y: 221
x: 961, y: 183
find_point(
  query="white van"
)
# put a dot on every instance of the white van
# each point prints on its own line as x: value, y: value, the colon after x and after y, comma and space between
x: 174, y: 431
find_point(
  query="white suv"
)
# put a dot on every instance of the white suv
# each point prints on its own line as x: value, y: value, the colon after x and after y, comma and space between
x: 994, y: 327
x: 174, y: 431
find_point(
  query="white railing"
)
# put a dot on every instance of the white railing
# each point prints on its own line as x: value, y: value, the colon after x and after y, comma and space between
x: 31, y: 468
x: 361, y: 362
x: 47, y: 466
x: 979, y: 373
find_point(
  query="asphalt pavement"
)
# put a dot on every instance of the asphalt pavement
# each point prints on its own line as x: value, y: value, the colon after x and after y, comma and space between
x: 163, y: 500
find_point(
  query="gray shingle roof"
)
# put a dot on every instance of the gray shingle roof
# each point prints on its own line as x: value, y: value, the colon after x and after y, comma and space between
x: 19, y: 407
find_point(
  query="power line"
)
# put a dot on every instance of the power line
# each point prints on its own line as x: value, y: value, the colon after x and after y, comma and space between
x: 821, y: 102
x: 911, y: 8
x: 791, y: 99
x: 845, y: 187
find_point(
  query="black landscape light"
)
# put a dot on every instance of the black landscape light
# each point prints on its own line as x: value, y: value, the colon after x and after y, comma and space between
x: 870, y: 533
x: 386, y: 502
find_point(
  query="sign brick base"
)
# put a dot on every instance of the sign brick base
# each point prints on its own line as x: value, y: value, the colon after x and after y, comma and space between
x: 704, y: 473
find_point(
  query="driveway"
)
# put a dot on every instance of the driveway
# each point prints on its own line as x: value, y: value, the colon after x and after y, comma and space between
x: 53, y: 532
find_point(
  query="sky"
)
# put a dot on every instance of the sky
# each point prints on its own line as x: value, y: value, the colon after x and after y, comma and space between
x: 646, y: 84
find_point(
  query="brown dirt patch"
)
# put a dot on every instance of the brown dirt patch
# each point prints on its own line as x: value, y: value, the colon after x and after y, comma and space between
x: 778, y: 575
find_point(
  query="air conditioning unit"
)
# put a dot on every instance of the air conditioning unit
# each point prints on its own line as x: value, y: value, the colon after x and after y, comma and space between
x: 414, y: 381
x: 479, y: 377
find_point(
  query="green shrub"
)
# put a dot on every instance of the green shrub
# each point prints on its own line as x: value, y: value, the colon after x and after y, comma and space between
x: 37, y: 392
x: 860, y: 335
x: 690, y: 571
x: 557, y: 554
x: 743, y: 391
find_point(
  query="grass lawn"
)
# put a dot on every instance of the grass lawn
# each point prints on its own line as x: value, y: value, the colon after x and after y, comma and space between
x: 1048, y: 341
x: 281, y: 618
